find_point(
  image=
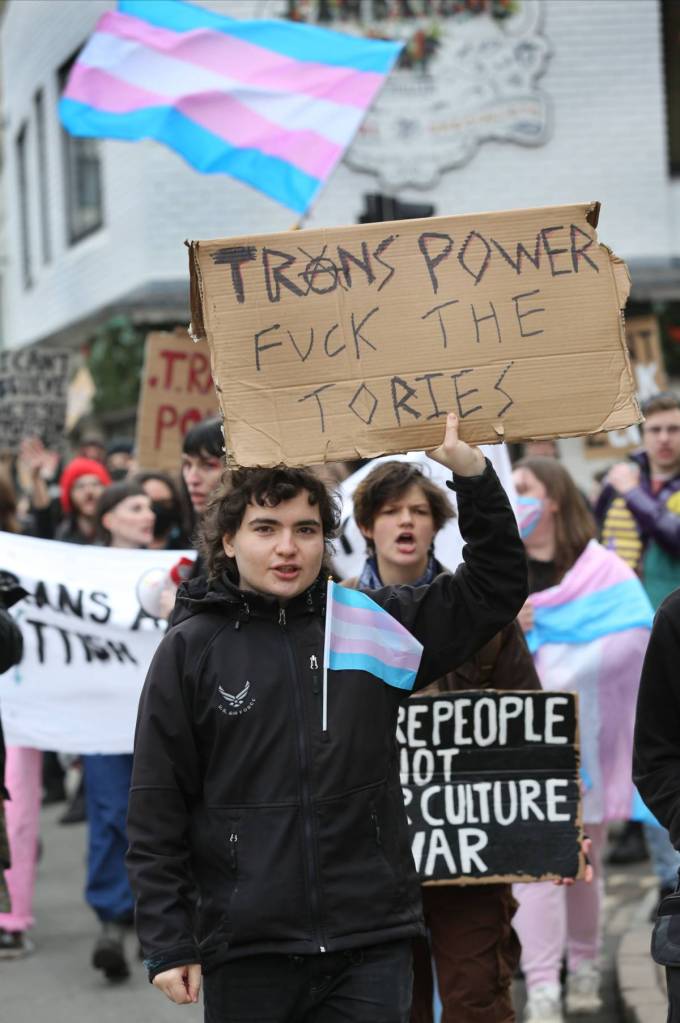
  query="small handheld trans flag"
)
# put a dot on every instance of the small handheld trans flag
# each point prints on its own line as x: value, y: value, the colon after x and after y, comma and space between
x: 361, y: 636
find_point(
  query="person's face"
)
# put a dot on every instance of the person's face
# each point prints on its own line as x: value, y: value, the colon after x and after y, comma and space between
x: 278, y: 550
x: 661, y: 435
x: 403, y: 531
x: 163, y: 505
x: 201, y: 475
x: 92, y: 450
x: 528, y: 485
x: 120, y: 464
x: 130, y: 522
x: 158, y: 490
x: 84, y: 495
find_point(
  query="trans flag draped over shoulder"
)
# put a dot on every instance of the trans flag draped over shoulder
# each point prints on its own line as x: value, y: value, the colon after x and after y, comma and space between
x: 590, y: 635
x: 272, y: 103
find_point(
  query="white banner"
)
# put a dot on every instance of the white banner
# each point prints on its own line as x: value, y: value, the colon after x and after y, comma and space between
x: 87, y: 643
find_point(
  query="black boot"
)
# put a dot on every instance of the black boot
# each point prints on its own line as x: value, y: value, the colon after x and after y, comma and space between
x: 53, y: 780
x: 75, y: 811
x: 109, y: 952
x: 630, y: 846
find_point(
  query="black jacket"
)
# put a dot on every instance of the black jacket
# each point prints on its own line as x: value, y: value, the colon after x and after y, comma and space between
x: 296, y: 841
x: 656, y: 751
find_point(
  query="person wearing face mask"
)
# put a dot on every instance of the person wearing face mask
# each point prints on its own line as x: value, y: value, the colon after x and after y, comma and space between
x: 125, y: 520
x: 587, y: 622
x: 472, y: 945
x: 120, y: 459
x: 169, y: 533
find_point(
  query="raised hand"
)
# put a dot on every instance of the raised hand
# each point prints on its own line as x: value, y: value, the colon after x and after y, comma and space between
x: 37, y: 459
x: 455, y: 454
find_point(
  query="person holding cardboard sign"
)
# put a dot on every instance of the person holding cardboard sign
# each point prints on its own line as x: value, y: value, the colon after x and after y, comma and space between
x: 294, y: 834
x: 471, y: 945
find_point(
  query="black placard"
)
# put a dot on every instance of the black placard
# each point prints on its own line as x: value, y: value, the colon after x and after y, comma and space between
x: 491, y: 785
x: 33, y: 395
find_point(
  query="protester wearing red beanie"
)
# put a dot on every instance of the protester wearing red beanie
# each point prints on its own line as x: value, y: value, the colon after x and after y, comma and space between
x: 76, y: 469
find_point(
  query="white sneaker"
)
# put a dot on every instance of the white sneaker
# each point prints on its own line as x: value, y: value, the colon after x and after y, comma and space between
x: 544, y: 1004
x: 583, y: 988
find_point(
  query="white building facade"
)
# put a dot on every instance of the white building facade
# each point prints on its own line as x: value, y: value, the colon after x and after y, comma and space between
x: 572, y: 107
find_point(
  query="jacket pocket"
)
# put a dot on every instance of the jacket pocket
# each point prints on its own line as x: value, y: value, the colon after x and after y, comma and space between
x: 218, y: 875
x: 362, y: 865
x: 258, y: 887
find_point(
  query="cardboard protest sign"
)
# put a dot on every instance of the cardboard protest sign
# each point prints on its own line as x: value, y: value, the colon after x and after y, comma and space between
x: 87, y: 643
x: 356, y: 341
x: 491, y: 786
x: 176, y: 393
x: 644, y: 347
x: 33, y: 394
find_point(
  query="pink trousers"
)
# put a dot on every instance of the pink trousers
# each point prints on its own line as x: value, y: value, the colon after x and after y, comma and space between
x: 23, y: 778
x: 552, y: 920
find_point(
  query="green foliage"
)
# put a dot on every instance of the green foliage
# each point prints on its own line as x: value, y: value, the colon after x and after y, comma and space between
x: 115, y: 360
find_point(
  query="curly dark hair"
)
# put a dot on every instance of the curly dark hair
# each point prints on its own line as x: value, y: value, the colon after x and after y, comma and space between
x: 387, y: 482
x: 268, y: 488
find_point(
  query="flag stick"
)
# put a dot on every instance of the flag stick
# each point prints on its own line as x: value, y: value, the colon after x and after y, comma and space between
x: 326, y: 654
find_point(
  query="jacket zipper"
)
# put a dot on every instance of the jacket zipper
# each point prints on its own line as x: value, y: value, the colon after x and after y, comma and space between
x: 310, y: 841
x: 233, y: 852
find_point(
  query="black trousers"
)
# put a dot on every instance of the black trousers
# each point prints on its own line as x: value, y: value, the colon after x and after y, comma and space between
x: 366, y: 985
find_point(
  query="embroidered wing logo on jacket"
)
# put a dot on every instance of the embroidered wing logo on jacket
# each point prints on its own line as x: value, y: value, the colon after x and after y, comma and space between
x: 239, y: 699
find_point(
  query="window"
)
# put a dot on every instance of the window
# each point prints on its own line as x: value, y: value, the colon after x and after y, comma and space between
x: 383, y: 207
x: 82, y: 172
x: 24, y: 218
x: 41, y: 147
x: 671, y: 42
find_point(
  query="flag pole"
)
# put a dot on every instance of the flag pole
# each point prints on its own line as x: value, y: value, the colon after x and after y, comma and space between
x: 326, y: 654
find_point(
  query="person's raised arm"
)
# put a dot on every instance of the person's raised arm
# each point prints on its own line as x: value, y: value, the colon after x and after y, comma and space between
x: 456, y: 614
x: 653, y: 519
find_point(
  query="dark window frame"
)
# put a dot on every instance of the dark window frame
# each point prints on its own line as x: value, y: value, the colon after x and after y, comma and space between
x: 21, y: 155
x: 670, y: 21
x: 43, y: 174
x: 82, y: 168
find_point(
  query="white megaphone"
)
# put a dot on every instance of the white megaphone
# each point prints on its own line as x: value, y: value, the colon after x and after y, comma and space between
x: 154, y: 585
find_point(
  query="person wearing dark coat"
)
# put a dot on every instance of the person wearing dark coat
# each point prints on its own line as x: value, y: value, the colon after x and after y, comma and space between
x: 295, y: 835
x: 656, y: 750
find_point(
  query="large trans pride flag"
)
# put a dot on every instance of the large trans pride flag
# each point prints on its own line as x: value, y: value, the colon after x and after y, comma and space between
x: 272, y: 103
x: 590, y: 636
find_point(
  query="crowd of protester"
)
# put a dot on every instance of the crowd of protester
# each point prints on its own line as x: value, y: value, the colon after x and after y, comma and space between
x: 478, y: 936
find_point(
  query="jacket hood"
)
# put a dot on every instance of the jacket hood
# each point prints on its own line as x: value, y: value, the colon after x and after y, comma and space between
x: 200, y: 595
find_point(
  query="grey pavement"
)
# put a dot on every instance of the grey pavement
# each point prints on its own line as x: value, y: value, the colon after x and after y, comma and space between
x: 57, y: 984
